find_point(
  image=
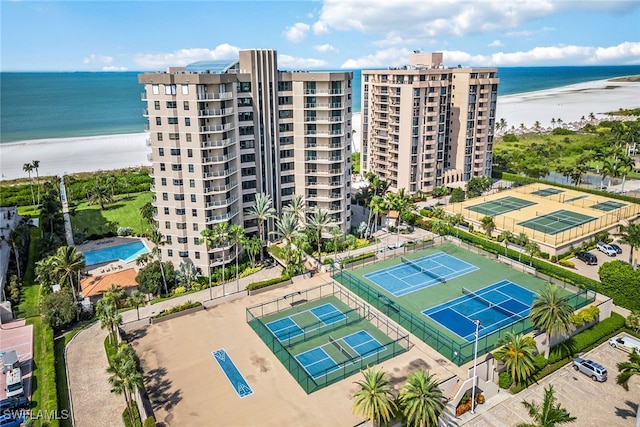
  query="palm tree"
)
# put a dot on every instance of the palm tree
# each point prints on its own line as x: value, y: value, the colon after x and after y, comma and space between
x: 551, y: 313
x: 35, y: 164
x: 537, y: 126
x: 16, y: 239
x: 521, y: 240
x: 517, y: 353
x: 549, y: 414
x: 252, y: 247
x: 401, y: 203
x: 236, y: 235
x: 506, y: 237
x: 378, y: 206
x: 438, y: 212
x: 625, y: 165
x: 320, y: 220
x: 158, y: 240
x: 68, y: 262
x: 532, y: 249
x: 221, y: 237
x: 374, y: 400
x: 207, y: 236
x: 439, y: 226
x: 421, y: 400
x: 628, y: 369
x: 262, y: 210
x: 631, y: 236
x: 609, y: 169
x: 111, y: 180
x: 488, y: 224
x: 125, y: 378
x: 336, y: 234
x: 99, y: 194
x: 553, y: 122
x: 107, y: 313
x: 287, y: 227
x: 187, y: 274
x: 116, y: 294
x: 136, y: 299
x: 28, y: 167
x: 455, y: 221
x: 297, y: 208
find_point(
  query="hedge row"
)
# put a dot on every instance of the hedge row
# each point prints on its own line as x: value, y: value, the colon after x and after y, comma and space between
x: 264, y: 283
x: 352, y: 259
x: 187, y: 305
x: 527, y: 180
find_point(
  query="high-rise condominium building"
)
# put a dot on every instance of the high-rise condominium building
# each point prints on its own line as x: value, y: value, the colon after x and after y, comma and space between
x: 222, y: 132
x: 425, y: 125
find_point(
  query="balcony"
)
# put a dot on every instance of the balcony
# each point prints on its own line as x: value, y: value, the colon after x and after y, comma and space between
x: 324, y: 92
x: 325, y: 133
x: 324, y: 119
x: 220, y: 218
x: 218, y: 143
x: 220, y: 174
x: 216, y: 112
x: 148, y: 142
x: 220, y: 159
x: 216, y: 128
x: 215, y: 96
x: 323, y: 159
x: 220, y: 188
x: 145, y: 112
x: 331, y: 146
x: 333, y: 171
x: 221, y: 203
x: 143, y: 96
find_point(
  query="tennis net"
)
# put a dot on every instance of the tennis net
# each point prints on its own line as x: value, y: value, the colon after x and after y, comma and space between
x: 340, y: 347
x: 423, y: 270
x: 488, y: 303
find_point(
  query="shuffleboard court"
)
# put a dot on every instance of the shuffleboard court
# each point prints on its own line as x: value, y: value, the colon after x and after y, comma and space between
x: 232, y: 373
x: 500, y: 206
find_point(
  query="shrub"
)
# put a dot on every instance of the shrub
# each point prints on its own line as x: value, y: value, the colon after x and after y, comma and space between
x: 136, y: 417
x: 509, y: 137
x: 249, y: 271
x: 352, y: 259
x: 125, y: 231
x: 562, y: 131
x: 554, y: 258
x: 264, y: 283
x: 566, y: 263
x: 178, y: 290
x: 586, y: 315
x: 505, y: 380
x: 187, y: 305
x: 150, y: 422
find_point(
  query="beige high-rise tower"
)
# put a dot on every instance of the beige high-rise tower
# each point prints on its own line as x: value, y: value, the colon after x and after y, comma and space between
x: 426, y: 125
x: 221, y: 132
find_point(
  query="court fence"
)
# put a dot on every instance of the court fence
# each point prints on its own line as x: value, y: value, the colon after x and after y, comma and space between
x: 457, y: 352
x: 398, y: 338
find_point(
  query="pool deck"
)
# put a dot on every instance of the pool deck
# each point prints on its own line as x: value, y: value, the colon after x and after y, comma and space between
x: 107, y: 267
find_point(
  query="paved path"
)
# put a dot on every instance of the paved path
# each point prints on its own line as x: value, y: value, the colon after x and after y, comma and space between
x: 91, y: 397
x: 68, y: 231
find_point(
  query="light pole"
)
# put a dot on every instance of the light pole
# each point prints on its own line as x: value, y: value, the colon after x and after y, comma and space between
x: 475, y: 378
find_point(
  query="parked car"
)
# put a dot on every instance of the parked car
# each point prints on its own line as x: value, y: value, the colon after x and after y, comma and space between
x: 606, y: 248
x: 625, y: 343
x: 596, y: 371
x: 8, y: 420
x: 13, y: 403
x: 587, y: 257
x: 616, y: 248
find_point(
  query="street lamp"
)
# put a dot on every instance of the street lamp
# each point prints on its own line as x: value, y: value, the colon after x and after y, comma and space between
x: 475, y: 378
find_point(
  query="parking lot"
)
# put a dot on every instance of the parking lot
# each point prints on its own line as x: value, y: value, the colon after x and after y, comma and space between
x: 593, y: 403
x: 591, y: 271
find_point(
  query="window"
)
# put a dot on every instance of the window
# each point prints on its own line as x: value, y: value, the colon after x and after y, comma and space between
x: 248, y: 198
x: 187, y: 121
x: 195, y: 227
x: 172, y: 104
x: 284, y: 86
x: 160, y: 151
x: 158, y: 121
x: 193, y: 198
x: 175, y: 151
x: 197, y: 254
x: 188, y: 135
x: 178, y: 197
x: 246, y: 185
x: 177, y: 182
x: 287, y: 191
x: 185, y: 105
x: 185, y: 89
x: 248, y: 171
x: 243, y: 87
x: 247, y: 144
x: 168, y: 239
x: 183, y: 254
x: 245, y: 102
x: 159, y: 136
x: 196, y: 240
x: 189, y: 152
x: 155, y: 88
x: 192, y: 183
x: 170, y: 252
x: 163, y: 181
x: 162, y: 167
x: 166, y: 211
x: 176, y: 167
x: 191, y: 169
x: 174, y: 137
x: 182, y: 240
x: 181, y: 226
x: 169, y: 89
x: 245, y: 116
x: 156, y: 105
x: 173, y: 120
x: 167, y: 225
x: 246, y: 130
x: 194, y: 212
x: 248, y: 158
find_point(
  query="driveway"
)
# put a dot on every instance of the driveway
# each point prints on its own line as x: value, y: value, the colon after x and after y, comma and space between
x: 591, y: 271
x: 593, y: 403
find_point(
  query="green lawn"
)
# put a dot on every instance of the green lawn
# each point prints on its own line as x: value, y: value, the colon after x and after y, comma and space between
x: 124, y: 212
x: 43, y: 383
x: 60, y: 344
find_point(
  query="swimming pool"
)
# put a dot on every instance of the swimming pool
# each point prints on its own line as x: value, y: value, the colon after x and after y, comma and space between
x: 127, y: 253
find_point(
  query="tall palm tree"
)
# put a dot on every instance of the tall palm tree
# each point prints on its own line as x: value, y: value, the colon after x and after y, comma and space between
x: 421, y: 400
x: 236, y: 235
x: 549, y: 414
x: 455, y: 221
x: 125, y: 378
x: 438, y: 212
x: 28, y: 167
x: 532, y: 249
x: 221, y: 238
x: 374, y: 399
x: 625, y: 165
x: 517, y: 351
x: 99, y: 194
x: 136, y: 299
x: 207, y: 236
x: 506, y: 237
x: 488, y: 224
x: 609, y: 169
x: 287, y: 227
x: 320, y: 220
x: 116, y: 294
x: 297, y: 208
x: 35, y: 164
x: 263, y: 210
x: 336, y: 234
x: 551, y: 312
x: 631, y: 236
x: 68, y: 262
x: 158, y: 240
x: 521, y: 240
x: 378, y: 206
x: 439, y: 226
x: 110, y: 319
x: 16, y: 240
x: 628, y: 369
x: 252, y: 246
x: 401, y: 203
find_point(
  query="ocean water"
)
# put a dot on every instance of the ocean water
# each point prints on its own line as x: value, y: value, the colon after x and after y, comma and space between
x: 61, y: 105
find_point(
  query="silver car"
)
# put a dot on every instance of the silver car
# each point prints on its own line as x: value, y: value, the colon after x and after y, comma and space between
x: 596, y: 371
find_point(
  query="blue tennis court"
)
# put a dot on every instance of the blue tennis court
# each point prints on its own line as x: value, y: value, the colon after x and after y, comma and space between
x: 414, y: 275
x: 287, y: 327
x: 358, y: 345
x: 495, y: 306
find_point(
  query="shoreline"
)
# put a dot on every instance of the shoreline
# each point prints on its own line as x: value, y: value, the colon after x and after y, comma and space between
x: 60, y: 156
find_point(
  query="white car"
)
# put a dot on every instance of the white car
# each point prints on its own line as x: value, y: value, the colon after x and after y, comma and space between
x: 625, y: 343
x: 605, y: 248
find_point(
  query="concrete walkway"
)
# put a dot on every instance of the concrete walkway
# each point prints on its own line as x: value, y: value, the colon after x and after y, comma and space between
x: 92, y: 401
x: 68, y: 231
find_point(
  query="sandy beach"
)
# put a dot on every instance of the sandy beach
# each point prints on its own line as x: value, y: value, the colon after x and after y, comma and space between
x: 60, y: 156
x: 569, y: 103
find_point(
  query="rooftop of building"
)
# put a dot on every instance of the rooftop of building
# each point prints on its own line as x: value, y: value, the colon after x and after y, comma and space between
x: 97, y: 285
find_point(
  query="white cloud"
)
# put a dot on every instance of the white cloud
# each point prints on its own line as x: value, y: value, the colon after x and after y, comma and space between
x: 325, y: 48
x: 293, y: 63
x: 496, y: 43
x: 114, y: 68
x: 297, y: 32
x: 184, y: 57
x: 97, y: 59
x: 623, y: 53
x: 320, y: 28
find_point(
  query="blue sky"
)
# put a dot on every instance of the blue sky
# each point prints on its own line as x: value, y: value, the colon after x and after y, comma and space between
x: 323, y: 34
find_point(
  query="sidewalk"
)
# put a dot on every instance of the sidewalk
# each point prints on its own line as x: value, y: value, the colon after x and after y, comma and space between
x: 68, y: 231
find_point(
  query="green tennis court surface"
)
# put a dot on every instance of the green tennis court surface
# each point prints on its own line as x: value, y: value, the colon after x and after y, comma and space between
x: 609, y: 205
x: 557, y: 222
x: 573, y: 199
x: 500, y: 206
x: 545, y: 192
